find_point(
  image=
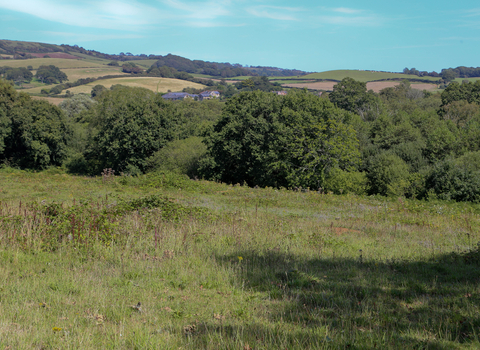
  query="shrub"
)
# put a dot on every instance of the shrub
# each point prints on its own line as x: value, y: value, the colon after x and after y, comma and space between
x: 179, y: 156
x: 343, y: 182
x: 450, y: 182
x: 388, y: 175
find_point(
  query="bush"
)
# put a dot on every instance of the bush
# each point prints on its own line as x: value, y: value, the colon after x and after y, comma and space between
x: 388, y: 175
x: 179, y: 156
x: 343, y: 182
x: 447, y: 181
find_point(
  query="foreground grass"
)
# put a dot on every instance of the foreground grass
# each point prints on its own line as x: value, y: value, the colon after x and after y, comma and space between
x: 230, y: 267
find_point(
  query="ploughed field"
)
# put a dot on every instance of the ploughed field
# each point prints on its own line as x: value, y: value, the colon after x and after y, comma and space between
x: 161, y: 261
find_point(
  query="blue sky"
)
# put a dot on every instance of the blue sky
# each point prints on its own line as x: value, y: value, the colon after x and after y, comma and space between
x: 308, y: 35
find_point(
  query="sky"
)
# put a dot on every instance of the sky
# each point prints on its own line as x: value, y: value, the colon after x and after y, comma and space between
x: 311, y: 35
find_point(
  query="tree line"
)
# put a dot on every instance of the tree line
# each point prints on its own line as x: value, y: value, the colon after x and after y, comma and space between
x: 399, y: 142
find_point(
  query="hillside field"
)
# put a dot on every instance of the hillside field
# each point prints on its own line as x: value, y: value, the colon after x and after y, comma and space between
x: 61, y: 63
x: 163, y: 262
x: 152, y: 83
x: 364, y: 76
x: 376, y: 86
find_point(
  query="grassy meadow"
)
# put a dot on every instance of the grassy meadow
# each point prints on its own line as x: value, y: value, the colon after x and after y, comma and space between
x: 216, y: 266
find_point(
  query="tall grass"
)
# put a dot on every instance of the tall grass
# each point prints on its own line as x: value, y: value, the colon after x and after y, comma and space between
x: 230, y: 267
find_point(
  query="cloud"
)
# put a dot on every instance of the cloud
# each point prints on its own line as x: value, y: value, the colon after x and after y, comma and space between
x: 355, y: 21
x: 274, y: 12
x: 200, y: 10
x: 79, y: 37
x: 347, y: 10
x: 95, y: 14
x: 472, y: 12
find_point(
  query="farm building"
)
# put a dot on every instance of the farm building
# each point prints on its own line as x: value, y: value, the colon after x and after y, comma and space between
x: 207, y: 95
x: 174, y: 96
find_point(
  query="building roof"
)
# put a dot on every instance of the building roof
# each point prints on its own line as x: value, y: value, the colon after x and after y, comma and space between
x: 177, y: 95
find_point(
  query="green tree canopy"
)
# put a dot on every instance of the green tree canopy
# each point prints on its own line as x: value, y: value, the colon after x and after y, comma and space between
x: 50, y: 75
x: 33, y: 133
x: 353, y: 96
x: 270, y: 140
x: 131, y: 125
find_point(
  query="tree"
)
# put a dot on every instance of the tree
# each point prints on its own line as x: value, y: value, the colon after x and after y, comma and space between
x: 131, y: 125
x: 388, y: 175
x: 353, y: 96
x: 50, y: 74
x: 269, y: 140
x: 448, y: 75
x: 19, y: 75
x: 33, y: 133
x: 130, y: 67
x: 73, y: 106
x: 97, y: 90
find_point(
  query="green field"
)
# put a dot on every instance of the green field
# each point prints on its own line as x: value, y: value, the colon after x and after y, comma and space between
x: 141, y: 63
x: 230, y: 267
x: 151, y: 83
x: 364, y: 76
x: 460, y: 80
x: 74, y: 74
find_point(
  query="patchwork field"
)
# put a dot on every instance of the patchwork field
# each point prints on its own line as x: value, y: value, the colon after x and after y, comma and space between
x: 151, y: 83
x: 163, y: 262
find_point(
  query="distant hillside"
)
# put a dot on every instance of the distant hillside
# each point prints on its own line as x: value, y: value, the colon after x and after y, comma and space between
x: 364, y: 76
x: 11, y: 47
x: 22, y: 49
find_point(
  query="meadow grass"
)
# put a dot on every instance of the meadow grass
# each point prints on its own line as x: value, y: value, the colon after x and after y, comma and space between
x: 216, y: 266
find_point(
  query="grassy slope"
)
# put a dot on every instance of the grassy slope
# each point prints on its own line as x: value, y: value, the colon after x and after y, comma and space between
x: 151, y: 83
x: 74, y: 74
x: 361, y: 75
x: 263, y: 269
x: 58, y: 62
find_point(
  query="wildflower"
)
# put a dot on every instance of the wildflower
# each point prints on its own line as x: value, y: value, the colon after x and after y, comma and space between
x: 240, y: 258
x: 56, y: 329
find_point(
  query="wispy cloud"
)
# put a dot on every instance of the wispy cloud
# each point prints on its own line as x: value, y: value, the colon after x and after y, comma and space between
x: 355, y: 21
x: 347, y: 10
x: 91, y: 37
x: 345, y: 16
x: 472, y: 12
x: 274, y: 12
x: 200, y: 10
x: 96, y: 14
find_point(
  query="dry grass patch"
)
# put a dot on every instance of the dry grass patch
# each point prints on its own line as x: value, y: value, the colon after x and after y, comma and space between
x: 53, y: 100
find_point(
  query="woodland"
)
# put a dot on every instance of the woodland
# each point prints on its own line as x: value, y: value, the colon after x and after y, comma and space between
x: 399, y: 142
